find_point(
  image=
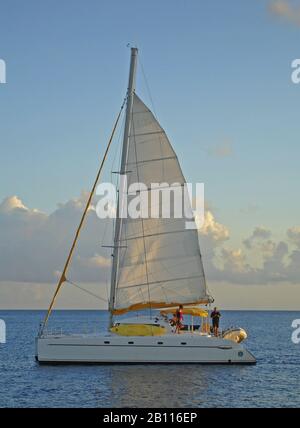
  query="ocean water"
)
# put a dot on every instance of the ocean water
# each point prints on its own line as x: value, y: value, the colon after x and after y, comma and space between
x: 273, y: 382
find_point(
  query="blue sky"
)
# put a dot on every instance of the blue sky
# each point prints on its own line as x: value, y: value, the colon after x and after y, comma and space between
x: 219, y: 74
x: 217, y: 71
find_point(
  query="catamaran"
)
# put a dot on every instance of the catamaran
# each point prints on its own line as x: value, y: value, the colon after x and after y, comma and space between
x: 156, y: 267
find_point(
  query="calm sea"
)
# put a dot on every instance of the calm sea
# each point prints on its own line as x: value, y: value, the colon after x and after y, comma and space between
x: 273, y: 382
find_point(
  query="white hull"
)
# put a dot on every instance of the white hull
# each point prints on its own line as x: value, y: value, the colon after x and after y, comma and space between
x: 184, y: 348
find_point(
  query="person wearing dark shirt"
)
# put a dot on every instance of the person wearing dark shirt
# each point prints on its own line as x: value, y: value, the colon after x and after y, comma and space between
x: 215, y: 315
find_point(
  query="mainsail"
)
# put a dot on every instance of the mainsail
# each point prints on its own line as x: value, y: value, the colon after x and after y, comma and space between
x: 158, y: 262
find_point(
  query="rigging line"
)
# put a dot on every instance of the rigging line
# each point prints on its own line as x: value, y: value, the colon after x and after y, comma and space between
x: 142, y: 221
x: 163, y: 267
x: 172, y: 290
x: 158, y: 281
x: 153, y: 112
x: 87, y: 291
x: 116, y: 162
x: 117, y: 154
x: 106, y: 226
x: 107, y: 275
x: 162, y: 281
x: 151, y: 235
x: 147, y: 86
x: 117, y: 180
x: 63, y: 275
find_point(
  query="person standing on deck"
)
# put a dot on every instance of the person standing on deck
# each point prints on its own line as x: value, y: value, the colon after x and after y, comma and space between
x: 179, y: 318
x: 215, y: 315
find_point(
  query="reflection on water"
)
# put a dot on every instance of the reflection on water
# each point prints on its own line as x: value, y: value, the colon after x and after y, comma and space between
x: 274, y: 381
x: 174, y: 385
x: 161, y: 385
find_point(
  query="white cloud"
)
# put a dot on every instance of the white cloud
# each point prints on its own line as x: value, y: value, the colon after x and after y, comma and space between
x: 267, y: 248
x: 95, y: 261
x: 11, y: 203
x: 212, y: 229
x: 275, y: 268
x: 234, y: 260
x: 294, y: 235
x: 34, y: 246
x: 259, y: 233
x: 276, y: 263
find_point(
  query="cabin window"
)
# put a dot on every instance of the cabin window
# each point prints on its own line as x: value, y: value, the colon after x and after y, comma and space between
x: 183, y: 343
x: 130, y: 343
x: 160, y: 343
x: 107, y: 342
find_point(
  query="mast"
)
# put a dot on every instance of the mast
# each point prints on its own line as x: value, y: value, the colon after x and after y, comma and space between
x: 130, y: 93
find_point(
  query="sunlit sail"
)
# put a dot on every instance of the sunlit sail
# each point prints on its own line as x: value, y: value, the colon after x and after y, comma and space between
x: 159, y: 262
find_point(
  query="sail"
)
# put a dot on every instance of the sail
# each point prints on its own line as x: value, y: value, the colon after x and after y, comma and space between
x: 159, y: 262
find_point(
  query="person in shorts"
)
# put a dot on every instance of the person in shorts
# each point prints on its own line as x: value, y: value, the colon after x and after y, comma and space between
x: 215, y: 316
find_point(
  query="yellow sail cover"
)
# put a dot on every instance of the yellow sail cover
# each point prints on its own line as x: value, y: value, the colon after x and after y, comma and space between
x: 195, y: 312
x: 138, y: 330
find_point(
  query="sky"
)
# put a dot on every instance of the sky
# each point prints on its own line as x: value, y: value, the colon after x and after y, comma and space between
x: 218, y: 76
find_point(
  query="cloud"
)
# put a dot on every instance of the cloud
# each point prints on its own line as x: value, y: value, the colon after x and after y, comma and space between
x: 11, y: 203
x: 34, y: 246
x: 276, y: 263
x: 259, y: 233
x: 275, y: 269
x: 294, y: 266
x: 235, y: 261
x: 267, y: 247
x: 286, y: 10
x: 235, y: 269
x: 212, y: 229
x: 294, y: 235
x: 95, y: 261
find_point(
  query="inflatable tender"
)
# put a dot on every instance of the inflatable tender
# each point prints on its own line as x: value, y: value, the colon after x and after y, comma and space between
x: 235, y: 334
